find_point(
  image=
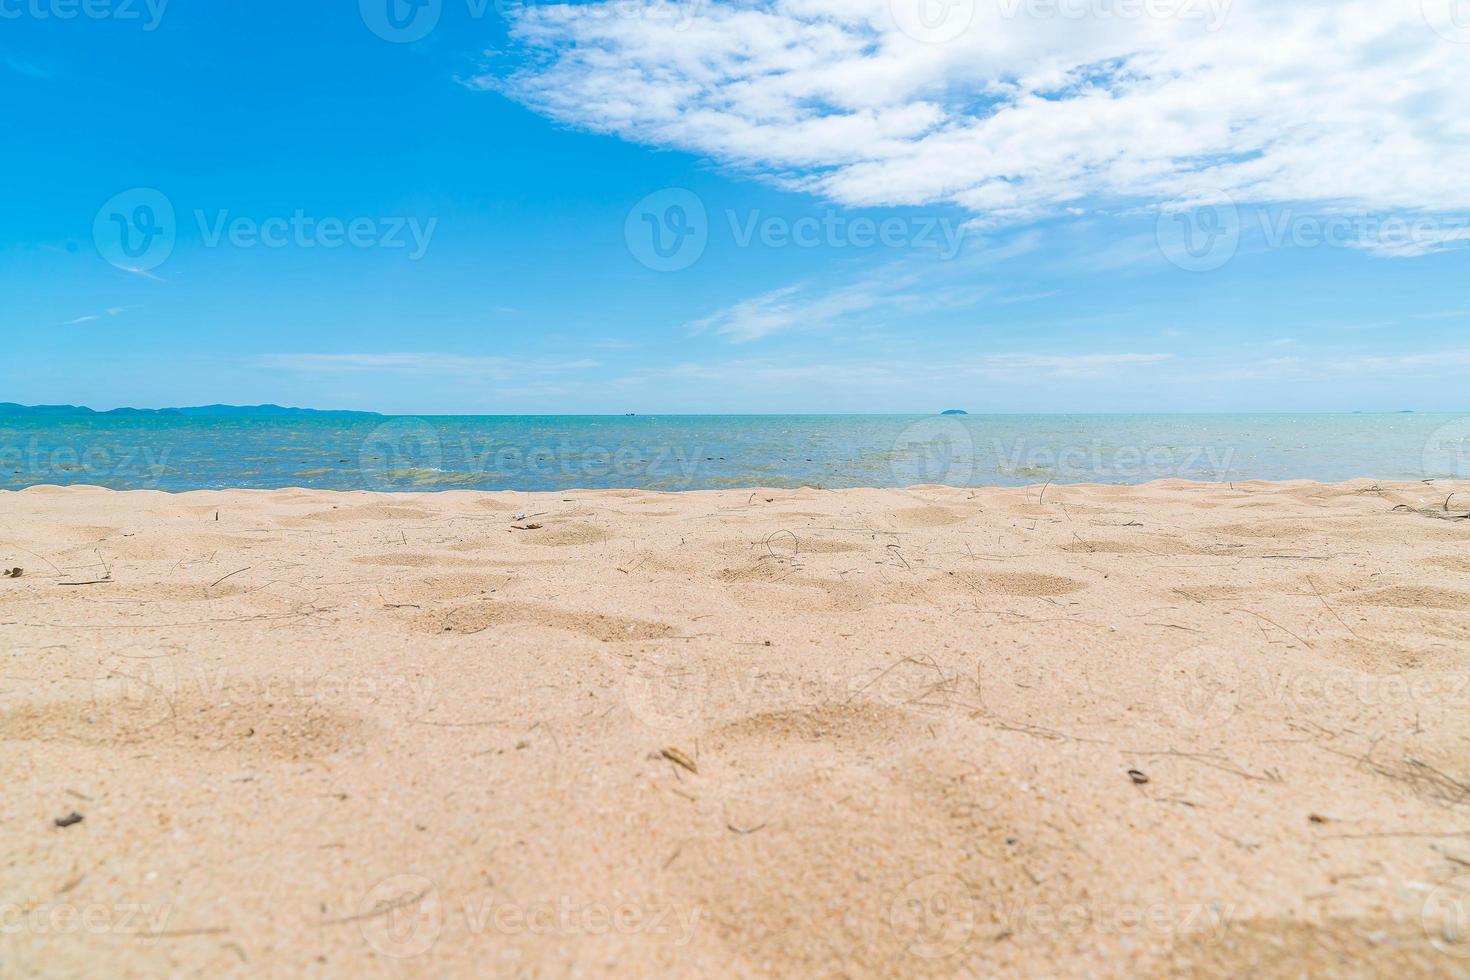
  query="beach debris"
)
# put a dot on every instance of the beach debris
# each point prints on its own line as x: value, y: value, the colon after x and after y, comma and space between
x: 71, y: 819
x: 742, y: 831
x: 527, y: 527
x: 1460, y: 859
x: 679, y: 758
x: 1439, y: 515
x: 14, y: 572
x: 1316, y: 818
x: 1139, y: 777
x: 795, y: 542
x: 231, y: 575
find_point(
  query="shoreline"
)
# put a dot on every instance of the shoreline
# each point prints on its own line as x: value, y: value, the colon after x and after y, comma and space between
x: 724, y: 454
x: 1104, y: 729
x: 1363, y: 483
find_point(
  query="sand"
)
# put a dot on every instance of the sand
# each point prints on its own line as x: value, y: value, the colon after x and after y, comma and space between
x: 1177, y: 729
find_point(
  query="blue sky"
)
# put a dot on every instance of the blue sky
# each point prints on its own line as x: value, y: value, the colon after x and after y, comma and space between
x: 1040, y: 213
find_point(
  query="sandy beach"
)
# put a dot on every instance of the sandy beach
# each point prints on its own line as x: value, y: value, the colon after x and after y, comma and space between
x: 1177, y: 729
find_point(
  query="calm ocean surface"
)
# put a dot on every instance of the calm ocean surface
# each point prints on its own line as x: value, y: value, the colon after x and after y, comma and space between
x: 710, y: 452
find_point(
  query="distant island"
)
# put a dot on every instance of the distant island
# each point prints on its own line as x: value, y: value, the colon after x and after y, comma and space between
x: 956, y: 411
x: 12, y: 409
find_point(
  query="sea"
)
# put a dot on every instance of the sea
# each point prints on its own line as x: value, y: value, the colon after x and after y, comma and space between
x: 681, y: 453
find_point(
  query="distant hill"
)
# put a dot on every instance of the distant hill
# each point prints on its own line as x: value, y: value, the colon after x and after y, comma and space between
x: 12, y: 409
x: 956, y: 411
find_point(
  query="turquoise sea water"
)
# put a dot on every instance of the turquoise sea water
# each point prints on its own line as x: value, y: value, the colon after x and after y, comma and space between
x: 711, y: 452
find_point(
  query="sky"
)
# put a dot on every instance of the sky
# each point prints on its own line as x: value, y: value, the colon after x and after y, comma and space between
x: 737, y: 206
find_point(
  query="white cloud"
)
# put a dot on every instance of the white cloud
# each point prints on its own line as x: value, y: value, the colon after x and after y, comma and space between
x: 498, y: 368
x: 1086, y: 372
x: 1333, y: 366
x: 1030, y: 112
x: 1007, y: 368
x: 800, y: 307
x: 30, y: 69
x: 1419, y: 362
x: 144, y: 273
x: 906, y: 288
x: 1061, y: 365
x: 91, y: 318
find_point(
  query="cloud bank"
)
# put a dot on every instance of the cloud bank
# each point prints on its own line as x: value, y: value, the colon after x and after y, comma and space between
x: 1021, y: 110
